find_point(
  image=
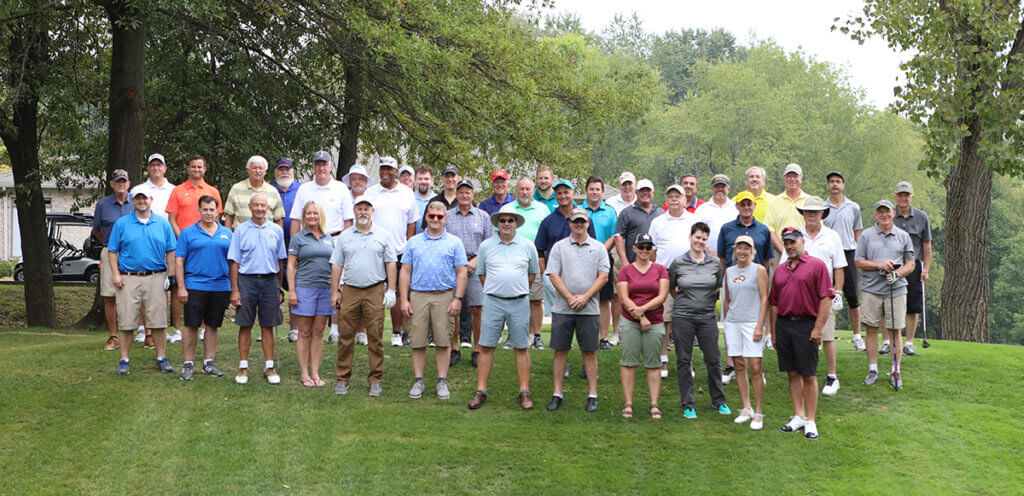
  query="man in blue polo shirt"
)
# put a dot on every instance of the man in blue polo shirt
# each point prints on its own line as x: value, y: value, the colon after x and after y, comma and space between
x: 287, y: 187
x: 205, y: 287
x: 108, y: 210
x: 745, y: 224
x: 554, y: 228
x: 499, y: 184
x: 141, y: 247
x: 257, y: 255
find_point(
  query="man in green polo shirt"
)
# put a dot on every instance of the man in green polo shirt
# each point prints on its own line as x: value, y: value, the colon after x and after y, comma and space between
x: 533, y: 213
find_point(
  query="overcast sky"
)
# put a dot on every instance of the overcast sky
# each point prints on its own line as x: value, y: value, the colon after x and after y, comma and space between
x: 794, y: 24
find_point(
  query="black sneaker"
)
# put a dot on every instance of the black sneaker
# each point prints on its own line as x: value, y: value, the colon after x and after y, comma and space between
x: 556, y: 403
x: 210, y: 368
x: 405, y: 339
x: 186, y: 372
x: 605, y: 344
x: 591, y: 404
x: 163, y: 365
x: 456, y: 357
x: 474, y: 358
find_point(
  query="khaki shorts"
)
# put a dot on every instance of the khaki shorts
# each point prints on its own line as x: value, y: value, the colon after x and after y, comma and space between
x: 828, y: 333
x: 874, y: 308
x: 666, y: 312
x: 142, y: 292
x: 430, y: 315
x: 537, y: 288
x: 107, y: 288
x: 616, y: 266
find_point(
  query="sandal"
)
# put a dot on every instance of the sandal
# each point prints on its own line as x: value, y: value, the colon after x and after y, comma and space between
x: 655, y: 412
x: 307, y: 382
x: 318, y: 382
x: 627, y: 410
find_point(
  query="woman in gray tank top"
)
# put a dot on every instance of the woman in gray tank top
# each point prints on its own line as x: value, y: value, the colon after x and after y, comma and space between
x: 744, y: 310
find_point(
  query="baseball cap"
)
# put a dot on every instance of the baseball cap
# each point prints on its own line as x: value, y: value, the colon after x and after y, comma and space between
x: 156, y: 156
x: 791, y: 233
x: 578, y: 213
x: 644, y: 239
x: 677, y: 188
x: 464, y: 182
x: 835, y: 173
x: 884, y: 204
x: 500, y: 173
x: 119, y: 175
x: 720, y: 179
x: 357, y: 169
x: 284, y: 162
x: 450, y: 169
x: 388, y: 162
x: 793, y: 168
x: 406, y: 168
x: 644, y: 183
x: 363, y: 199
x: 564, y: 182
x: 322, y: 156
x: 903, y: 187
x: 814, y: 204
x: 744, y: 195
x: 743, y: 239
x: 627, y: 177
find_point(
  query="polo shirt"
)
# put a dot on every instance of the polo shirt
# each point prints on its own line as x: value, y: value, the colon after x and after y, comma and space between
x: 393, y: 210
x: 692, y: 207
x: 257, y: 248
x: 333, y: 196
x: 237, y: 203
x: 696, y: 284
x: 671, y: 236
x: 184, y: 201
x: 632, y: 222
x: 844, y: 219
x: 421, y: 206
x: 916, y: 224
x: 760, y: 204
x: 799, y: 291
x: 578, y: 264
x: 363, y: 255
x: 205, y: 257
x: 763, y: 250
x: 433, y: 261
x: 141, y: 246
x: 716, y: 217
x: 878, y: 246
x: 618, y: 203
x: 448, y: 205
x: 507, y: 266
x: 472, y: 228
x: 287, y: 200
x: 550, y: 201
x: 554, y: 228
x: 827, y: 247
x: 159, y: 194
x: 533, y: 214
x: 603, y: 218
x: 107, y: 211
x: 492, y: 204
x: 782, y: 213
x: 312, y: 259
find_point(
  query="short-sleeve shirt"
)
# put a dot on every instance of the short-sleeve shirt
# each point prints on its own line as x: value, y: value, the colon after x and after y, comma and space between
x: 312, y: 257
x: 363, y: 255
x: 715, y: 217
x: 603, y: 218
x: 237, y: 203
x: 619, y: 204
x: 533, y: 215
x: 763, y: 250
x: 760, y: 204
x: 184, y: 201
x: 393, y: 210
x: 141, y: 246
x: 782, y: 213
x: 632, y: 222
x: 433, y: 261
x: 696, y: 285
x: 159, y: 194
x: 578, y: 264
x: 554, y: 228
x: 107, y: 211
x: 877, y: 246
x: 671, y: 236
x: 492, y: 204
x: 827, y: 247
x: 287, y: 200
x: 917, y: 226
x: 507, y: 266
x: 744, y: 294
x: 205, y: 257
x: 257, y: 248
x: 644, y: 287
x: 550, y: 201
x: 472, y: 227
x: 334, y: 197
x: 844, y: 219
x: 798, y: 291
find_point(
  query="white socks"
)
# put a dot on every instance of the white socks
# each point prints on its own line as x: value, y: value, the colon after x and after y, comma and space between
x: 334, y: 329
x: 269, y: 364
x: 243, y: 364
x: 873, y: 367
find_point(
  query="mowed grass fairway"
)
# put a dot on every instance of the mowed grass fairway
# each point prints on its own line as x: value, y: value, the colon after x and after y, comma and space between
x: 69, y: 425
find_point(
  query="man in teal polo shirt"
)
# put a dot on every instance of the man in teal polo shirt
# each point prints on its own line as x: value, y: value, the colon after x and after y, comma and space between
x: 603, y: 218
x: 533, y: 213
x: 545, y: 192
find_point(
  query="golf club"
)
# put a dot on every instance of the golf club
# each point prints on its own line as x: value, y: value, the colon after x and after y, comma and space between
x: 894, y: 335
x: 924, y: 319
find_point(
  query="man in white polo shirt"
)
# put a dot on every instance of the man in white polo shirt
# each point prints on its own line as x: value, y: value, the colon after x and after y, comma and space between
x: 718, y: 210
x: 330, y: 193
x: 671, y: 235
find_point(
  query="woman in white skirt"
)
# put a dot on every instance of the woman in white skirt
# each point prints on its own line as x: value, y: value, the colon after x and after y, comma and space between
x: 744, y: 310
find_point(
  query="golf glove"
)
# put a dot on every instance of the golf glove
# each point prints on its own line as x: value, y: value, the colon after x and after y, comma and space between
x: 389, y: 299
x: 173, y: 281
x: 891, y: 277
x: 837, y: 302
x: 167, y: 283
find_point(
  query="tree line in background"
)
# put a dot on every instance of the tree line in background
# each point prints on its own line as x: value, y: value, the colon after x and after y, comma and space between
x: 89, y: 86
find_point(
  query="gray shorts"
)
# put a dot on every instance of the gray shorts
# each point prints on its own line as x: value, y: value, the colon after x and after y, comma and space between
x: 474, y: 296
x: 564, y: 325
x: 260, y: 297
x: 498, y: 312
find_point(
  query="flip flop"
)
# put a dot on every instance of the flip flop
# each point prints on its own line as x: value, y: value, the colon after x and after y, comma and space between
x: 308, y: 382
x: 318, y: 382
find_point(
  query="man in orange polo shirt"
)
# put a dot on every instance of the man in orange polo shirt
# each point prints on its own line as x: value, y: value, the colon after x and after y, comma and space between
x: 183, y: 205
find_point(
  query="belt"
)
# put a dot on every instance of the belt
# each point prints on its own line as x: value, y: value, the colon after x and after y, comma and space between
x: 335, y: 233
x: 510, y: 298
x: 142, y: 272
x: 797, y: 317
x: 364, y: 287
x: 260, y: 275
x: 432, y: 292
x: 468, y: 256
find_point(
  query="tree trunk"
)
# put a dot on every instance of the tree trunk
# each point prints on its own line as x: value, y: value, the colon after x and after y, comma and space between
x: 348, y: 147
x: 965, y: 288
x: 27, y: 49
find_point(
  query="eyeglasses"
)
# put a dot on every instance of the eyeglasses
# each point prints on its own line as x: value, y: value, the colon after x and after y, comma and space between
x: 642, y: 247
x: 579, y: 221
x: 507, y: 220
x: 435, y: 216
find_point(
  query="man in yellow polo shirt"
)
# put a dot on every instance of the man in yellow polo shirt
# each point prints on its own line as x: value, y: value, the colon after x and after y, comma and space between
x: 782, y: 210
x: 755, y: 186
x: 236, y: 206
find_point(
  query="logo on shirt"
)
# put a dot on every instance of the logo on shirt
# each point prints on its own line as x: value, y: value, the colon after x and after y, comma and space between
x: 740, y: 278
x: 223, y: 236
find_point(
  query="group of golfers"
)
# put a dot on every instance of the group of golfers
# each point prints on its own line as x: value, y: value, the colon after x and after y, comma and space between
x: 773, y: 269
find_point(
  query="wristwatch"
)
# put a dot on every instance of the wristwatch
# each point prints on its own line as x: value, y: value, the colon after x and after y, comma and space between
x: 458, y: 298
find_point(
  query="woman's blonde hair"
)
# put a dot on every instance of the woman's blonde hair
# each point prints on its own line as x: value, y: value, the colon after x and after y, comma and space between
x: 322, y: 224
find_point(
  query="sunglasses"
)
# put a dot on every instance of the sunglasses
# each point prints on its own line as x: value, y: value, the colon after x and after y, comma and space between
x: 643, y: 247
x: 435, y: 216
x: 507, y: 221
x: 579, y: 221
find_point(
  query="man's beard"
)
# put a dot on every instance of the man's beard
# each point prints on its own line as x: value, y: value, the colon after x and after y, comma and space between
x: 362, y: 220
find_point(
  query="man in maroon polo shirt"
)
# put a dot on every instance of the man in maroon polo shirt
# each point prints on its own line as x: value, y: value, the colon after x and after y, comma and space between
x: 800, y: 299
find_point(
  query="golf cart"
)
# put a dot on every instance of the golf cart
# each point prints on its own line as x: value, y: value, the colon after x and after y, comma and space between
x: 69, y: 262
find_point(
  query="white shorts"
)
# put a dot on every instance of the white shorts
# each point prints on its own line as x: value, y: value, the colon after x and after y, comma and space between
x: 739, y: 340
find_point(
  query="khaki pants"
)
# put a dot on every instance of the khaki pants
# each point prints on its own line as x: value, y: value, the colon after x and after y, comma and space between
x: 361, y: 304
x: 142, y: 292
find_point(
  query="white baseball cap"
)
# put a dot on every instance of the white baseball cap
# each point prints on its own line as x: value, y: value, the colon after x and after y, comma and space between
x: 627, y: 177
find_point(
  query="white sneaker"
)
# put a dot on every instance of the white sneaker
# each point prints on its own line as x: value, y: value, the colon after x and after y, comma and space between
x: 202, y: 334
x: 729, y: 375
x: 811, y: 430
x: 764, y: 378
x: 664, y: 368
x: 140, y: 336
x: 465, y: 344
x: 614, y: 339
x: 745, y: 415
x: 396, y: 338
x: 768, y: 343
x: 332, y: 339
x: 795, y: 423
x: 242, y: 379
x: 361, y: 339
x: 831, y: 387
x: 757, y: 422
x: 175, y: 338
x: 293, y: 335
x: 858, y: 343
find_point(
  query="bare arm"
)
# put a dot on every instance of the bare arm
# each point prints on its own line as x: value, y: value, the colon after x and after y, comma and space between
x: 620, y: 248
x: 926, y: 258
x: 763, y: 286
x: 169, y: 260
x: 179, y: 268
x: 236, y: 295
x: 336, y: 284
x: 410, y: 230
x: 172, y: 217
x: 112, y: 258
x: 838, y: 278
x: 229, y: 220
x: 295, y: 228
x: 293, y: 261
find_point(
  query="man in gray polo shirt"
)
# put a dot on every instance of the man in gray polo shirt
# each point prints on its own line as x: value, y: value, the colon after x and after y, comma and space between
x: 471, y: 225
x: 363, y: 260
x: 915, y: 222
x: 578, y: 267
x: 885, y: 255
x: 507, y: 265
x: 844, y: 218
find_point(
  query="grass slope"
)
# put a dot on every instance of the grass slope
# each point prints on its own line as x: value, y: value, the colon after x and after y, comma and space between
x: 68, y: 425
